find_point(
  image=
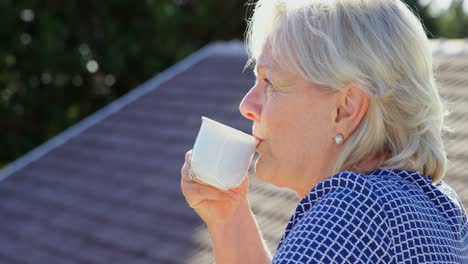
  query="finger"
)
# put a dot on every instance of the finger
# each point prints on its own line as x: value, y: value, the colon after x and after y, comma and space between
x: 184, y: 171
x: 185, y: 178
x: 243, y: 186
x: 194, y: 180
x: 197, y: 193
x: 197, y: 180
x: 188, y: 156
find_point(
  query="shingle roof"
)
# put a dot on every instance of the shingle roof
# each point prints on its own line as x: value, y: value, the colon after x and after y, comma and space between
x: 107, y: 190
x: 451, y: 62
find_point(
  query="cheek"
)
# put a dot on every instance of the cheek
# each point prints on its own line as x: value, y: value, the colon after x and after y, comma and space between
x: 314, y: 135
x: 284, y: 132
x: 298, y: 132
x: 277, y: 123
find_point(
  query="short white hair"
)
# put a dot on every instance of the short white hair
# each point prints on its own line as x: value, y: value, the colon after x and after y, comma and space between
x: 379, y: 45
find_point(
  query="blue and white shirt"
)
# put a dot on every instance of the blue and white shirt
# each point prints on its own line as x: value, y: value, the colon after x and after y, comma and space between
x: 387, y: 216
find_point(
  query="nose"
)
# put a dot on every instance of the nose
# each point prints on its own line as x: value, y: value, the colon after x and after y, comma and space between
x: 251, y: 106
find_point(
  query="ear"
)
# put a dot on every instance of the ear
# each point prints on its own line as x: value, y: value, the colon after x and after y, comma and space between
x: 351, y: 106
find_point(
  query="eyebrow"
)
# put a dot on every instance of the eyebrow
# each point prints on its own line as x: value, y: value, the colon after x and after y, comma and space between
x: 261, y: 66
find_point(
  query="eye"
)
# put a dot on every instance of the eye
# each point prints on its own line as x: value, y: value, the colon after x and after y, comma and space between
x: 269, y: 88
x: 268, y: 83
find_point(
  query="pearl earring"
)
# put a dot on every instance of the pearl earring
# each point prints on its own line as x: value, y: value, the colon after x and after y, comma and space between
x: 339, y: 139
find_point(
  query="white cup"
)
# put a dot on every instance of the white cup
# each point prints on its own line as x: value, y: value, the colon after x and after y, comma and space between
x: 222, y: 155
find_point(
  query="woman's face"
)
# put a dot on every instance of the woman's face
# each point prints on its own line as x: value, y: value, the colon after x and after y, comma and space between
x: 294, y: 117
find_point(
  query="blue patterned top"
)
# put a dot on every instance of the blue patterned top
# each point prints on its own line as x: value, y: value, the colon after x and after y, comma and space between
x: 387, y: 216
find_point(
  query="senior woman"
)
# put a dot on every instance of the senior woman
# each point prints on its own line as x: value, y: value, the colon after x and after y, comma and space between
x: 349, y: 117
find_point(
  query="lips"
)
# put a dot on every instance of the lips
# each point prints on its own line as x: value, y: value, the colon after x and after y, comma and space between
x: 260, y: 140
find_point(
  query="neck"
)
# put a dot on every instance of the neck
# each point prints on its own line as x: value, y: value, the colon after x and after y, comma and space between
x: 368, y: 165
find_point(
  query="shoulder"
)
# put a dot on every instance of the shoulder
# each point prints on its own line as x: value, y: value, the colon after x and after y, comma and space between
x: 345, y: 191
x: 393, y: 192
x: 348, y: 186
x: 347, y: 220
x: 349, y: 195
x: 350, y: 217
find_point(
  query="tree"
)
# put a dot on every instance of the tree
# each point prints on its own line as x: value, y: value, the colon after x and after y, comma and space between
x: 62, y: 60
x: 422, y: 11
x: 454, y: 22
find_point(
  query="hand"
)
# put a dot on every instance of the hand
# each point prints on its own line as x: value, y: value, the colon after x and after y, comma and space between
x: 213, y: 205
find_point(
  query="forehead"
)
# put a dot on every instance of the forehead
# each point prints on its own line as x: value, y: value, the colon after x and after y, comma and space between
x: 266, y: 60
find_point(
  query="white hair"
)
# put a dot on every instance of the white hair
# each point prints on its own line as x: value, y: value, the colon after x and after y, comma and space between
x: 379, y: 45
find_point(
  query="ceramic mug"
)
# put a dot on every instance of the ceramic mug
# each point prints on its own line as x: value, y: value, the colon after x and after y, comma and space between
x: 222, y: 155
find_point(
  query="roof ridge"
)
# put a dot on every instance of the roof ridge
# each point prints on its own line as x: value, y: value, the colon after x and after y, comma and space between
x: 449, y: 47
x: 233, y: 47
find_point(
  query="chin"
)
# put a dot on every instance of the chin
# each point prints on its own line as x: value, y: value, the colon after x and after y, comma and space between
x: 261, y: 172
x: 267, y: 173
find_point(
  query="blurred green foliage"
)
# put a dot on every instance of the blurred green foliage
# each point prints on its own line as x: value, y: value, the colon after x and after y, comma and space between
x: 450, y: 23
x: 454, y: 22
x: 422, y: 11
x: 62, y: 60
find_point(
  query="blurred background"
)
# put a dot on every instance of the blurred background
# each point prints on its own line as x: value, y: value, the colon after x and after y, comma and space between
x: 104, y: 186
x: 60, y: 61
